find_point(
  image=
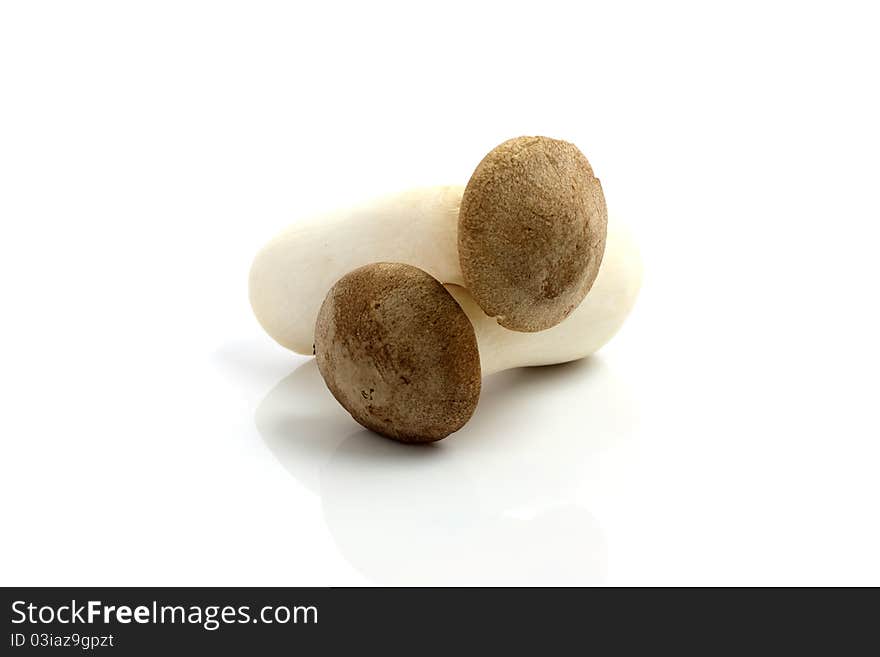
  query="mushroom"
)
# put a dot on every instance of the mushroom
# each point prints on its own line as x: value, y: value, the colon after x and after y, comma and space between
x: 525, y: 237
x: 404, y: 355
x: 531, y: 232
x: 398, y: 352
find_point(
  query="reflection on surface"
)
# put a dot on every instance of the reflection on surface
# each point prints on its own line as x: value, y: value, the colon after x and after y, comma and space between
x: 489, y: 505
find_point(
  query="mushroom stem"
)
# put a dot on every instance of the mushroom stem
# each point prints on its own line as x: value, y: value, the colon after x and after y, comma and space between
x: 291, y: 275
x: 591, y: 325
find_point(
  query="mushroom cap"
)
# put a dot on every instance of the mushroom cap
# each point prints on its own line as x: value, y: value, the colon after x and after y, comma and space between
x: 531, y: 232
x: 398, y: 352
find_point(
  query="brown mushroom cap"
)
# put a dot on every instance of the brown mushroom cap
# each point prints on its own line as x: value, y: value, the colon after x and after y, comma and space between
x: 531, y: 232
x: 398, y: 352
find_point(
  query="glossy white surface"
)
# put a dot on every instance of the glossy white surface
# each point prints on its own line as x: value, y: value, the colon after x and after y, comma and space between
x: 152, y: 434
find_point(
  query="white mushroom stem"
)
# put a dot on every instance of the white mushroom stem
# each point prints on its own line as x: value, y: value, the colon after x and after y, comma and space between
x: 589, y: 327
x: 292, y: 274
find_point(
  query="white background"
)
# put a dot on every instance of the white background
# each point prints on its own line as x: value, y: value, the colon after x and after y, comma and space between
x: 153, y: 434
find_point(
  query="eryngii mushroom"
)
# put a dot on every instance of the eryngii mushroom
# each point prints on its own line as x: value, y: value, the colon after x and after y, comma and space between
x: 531, y: 232
x: 405, y: 359
x: 398, y: 352
x: 528, y: 259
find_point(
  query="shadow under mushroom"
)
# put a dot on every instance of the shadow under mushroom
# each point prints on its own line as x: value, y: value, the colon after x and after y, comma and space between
x: 491, y: 504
